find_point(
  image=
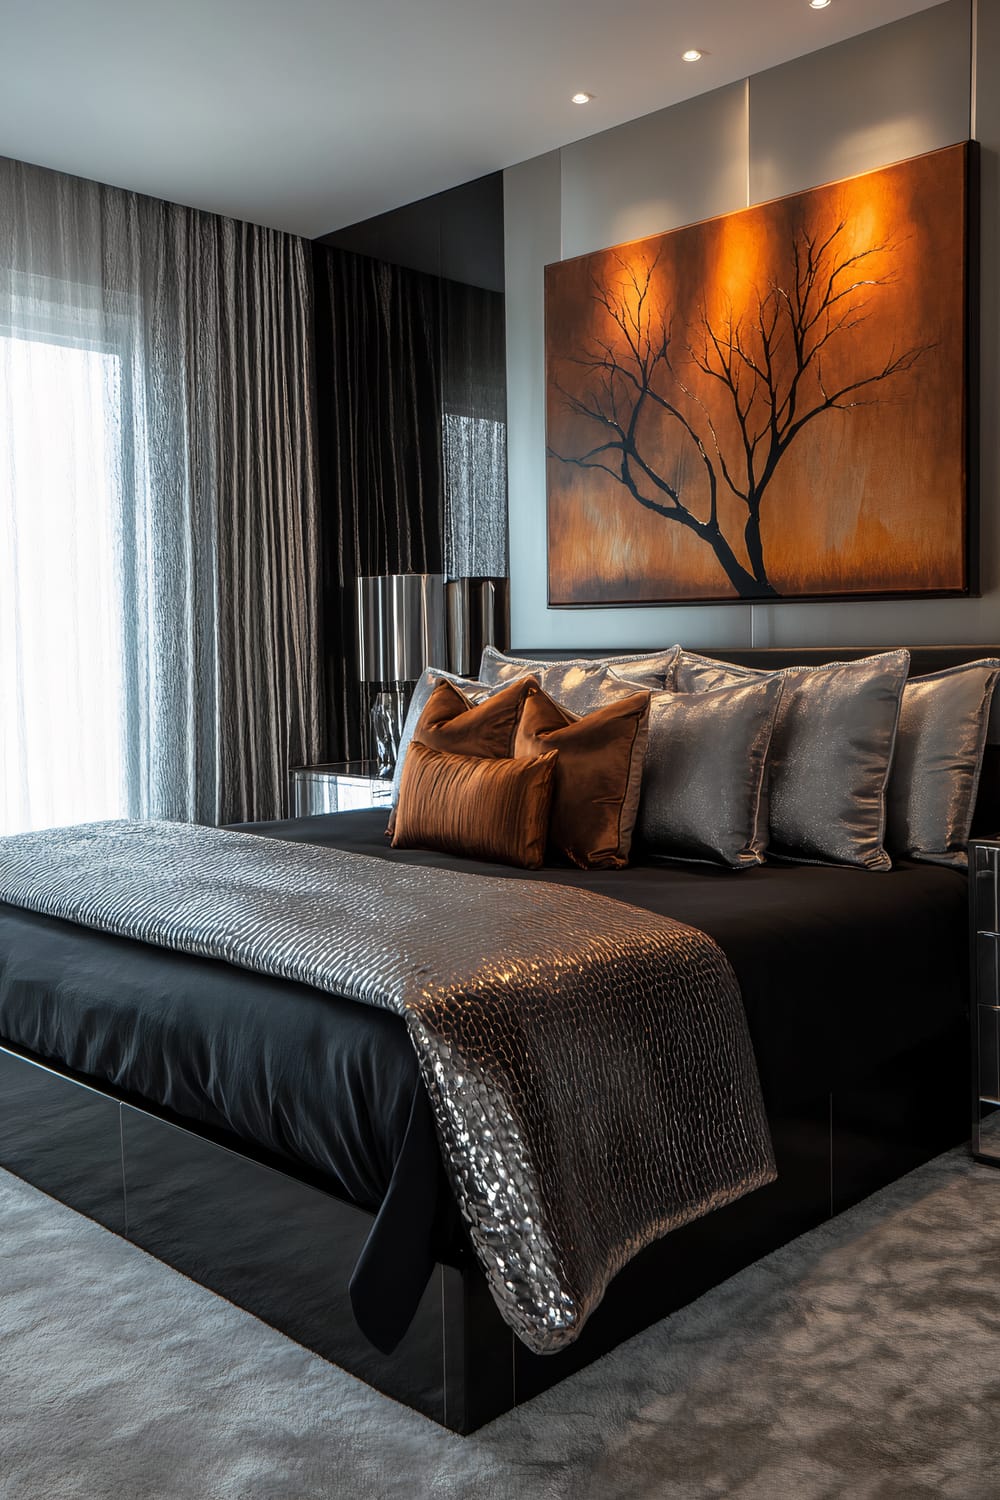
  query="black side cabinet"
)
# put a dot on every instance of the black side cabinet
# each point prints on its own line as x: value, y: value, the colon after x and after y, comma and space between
x: 984, y: 1009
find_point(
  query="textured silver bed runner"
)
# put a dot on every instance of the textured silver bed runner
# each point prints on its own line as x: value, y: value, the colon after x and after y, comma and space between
x: 588, y: 1062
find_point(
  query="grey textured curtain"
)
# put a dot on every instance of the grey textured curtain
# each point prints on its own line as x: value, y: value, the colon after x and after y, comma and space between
x: 193, y: 430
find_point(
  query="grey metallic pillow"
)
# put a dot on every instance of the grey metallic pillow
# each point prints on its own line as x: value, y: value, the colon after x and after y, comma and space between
x: 830, y: 758
x: 697, y: 674
x: 705, y: 771
x: 474, y: 691
x: 651, y: 670
x: 943, y: 723
x: 580, y: 686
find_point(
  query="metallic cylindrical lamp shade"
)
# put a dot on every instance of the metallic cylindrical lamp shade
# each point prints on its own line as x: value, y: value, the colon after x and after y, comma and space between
x: 401, y: 626
x: 478, y: 616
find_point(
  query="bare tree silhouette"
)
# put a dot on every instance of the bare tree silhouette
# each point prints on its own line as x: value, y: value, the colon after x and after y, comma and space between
x: 769, y: 368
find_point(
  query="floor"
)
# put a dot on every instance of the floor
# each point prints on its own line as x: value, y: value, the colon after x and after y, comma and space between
x: 863, y: 1360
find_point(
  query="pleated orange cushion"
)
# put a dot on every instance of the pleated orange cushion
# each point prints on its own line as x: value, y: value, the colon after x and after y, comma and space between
x: 495, y: 810
x: 598, y: 775
x: 451, y: 721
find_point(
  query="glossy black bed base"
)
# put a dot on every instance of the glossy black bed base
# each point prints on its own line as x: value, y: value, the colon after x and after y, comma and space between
x: 279, y: 1245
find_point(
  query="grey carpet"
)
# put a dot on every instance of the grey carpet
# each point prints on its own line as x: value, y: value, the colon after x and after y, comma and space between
x: 863, y: 1360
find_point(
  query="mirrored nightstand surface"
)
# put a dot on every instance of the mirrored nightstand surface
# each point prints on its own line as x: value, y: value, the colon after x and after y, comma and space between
x: 339, y: 786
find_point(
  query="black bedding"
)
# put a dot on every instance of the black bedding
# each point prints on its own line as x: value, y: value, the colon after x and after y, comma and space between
x: 839, y: 970
x: 839, y: 967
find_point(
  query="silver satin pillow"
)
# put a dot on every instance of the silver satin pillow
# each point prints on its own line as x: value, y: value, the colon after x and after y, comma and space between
x: 697, y: 674
x: 704, y: 774
x: 473, y: 690
x: 943, y: 721
x: 569, y: 678
x: 830, y: 757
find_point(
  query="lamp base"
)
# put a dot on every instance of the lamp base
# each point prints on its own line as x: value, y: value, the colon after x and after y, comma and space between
x: 388, y: 711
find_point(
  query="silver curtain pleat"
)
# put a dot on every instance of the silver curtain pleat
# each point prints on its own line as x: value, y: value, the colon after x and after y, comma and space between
x: 215, y: 474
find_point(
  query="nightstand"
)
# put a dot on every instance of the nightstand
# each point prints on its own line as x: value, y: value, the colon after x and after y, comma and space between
x: 984, y: 1004
x: 341, y: 786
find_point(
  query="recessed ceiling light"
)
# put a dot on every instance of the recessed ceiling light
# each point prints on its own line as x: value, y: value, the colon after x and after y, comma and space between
x: 692, y: 55
x: 818, y: 4
x: 582, y: 98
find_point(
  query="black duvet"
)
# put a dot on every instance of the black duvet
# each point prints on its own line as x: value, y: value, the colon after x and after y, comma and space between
x: 839, y: 970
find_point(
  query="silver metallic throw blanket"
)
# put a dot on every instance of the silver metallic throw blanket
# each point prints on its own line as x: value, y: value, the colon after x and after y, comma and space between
x: 588, y: 1063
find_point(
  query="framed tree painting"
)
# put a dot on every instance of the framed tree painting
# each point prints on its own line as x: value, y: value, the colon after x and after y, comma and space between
x: 768, y: 405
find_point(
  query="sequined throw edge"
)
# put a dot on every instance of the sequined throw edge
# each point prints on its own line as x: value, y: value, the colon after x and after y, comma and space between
x: 588, y: 1063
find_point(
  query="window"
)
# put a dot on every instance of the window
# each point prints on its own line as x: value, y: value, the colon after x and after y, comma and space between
x: 62, y: 676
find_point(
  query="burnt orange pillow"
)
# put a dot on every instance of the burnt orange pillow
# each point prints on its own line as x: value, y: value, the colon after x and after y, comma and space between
x: 451, y: 721
x: 598, y: 774
x: 465, y: 804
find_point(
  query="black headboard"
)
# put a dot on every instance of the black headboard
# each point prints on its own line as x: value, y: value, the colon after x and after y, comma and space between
x: 923, y: 659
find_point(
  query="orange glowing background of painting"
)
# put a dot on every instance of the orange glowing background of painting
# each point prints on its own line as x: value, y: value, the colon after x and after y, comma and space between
x: 867, y: 500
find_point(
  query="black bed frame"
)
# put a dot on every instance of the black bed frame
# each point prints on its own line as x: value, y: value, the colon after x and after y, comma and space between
x: 276, y: 1241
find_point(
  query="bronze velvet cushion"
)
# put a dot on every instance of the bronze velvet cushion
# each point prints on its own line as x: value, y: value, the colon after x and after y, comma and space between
x: 581, y: 684
x: 704, y: 777
x: 598, y: 776
x: 450, y: 721
x: 943, y: 721
x: 830, y: 758
x: 474, y: 691
x: 494, y: 810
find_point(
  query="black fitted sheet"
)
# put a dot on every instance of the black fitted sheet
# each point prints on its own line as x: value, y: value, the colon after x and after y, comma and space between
x: 840, y: 970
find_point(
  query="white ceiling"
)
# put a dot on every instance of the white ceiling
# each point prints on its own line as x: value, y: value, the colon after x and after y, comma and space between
x: 308, y: 115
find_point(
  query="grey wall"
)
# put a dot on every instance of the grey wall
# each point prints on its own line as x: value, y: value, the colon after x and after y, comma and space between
x: 921, y: 83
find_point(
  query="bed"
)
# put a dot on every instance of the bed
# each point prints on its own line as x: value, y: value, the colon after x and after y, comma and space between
x: 278, y: 1146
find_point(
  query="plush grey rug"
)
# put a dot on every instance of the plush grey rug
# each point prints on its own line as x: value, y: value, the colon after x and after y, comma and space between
x: 862, y: 1361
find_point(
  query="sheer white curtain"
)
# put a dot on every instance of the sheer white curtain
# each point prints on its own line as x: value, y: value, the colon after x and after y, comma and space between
x: 158, y: 509
x: 63, y: 723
